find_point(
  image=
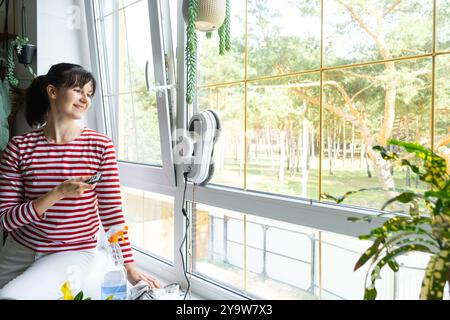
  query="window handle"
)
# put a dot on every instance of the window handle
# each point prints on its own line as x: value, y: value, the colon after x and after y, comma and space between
x: 157, y: 88
x: 146, y: 76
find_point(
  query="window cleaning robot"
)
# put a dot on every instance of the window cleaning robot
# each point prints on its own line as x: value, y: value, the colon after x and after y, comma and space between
x: 198, y: 147
x: 195, y: 149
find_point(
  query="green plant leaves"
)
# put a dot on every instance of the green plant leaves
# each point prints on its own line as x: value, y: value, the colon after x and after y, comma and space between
x: 191, y: 51
x: 370, y: 294
x: 17, y: 44
x: 191, y: 45
x: 404, y: 197
x: 224, y: 32
x: 338, y: 200
x: 368, y: 254
x: 389, y: 259
x: 435, y: 276
x: 402, y: 234
x: 79, y: 296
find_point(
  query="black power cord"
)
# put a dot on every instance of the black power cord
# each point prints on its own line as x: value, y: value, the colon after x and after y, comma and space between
x: 183, y: 210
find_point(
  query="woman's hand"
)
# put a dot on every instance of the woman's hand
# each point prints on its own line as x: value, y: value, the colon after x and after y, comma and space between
x: 73, y: 187
x: 134, y: 276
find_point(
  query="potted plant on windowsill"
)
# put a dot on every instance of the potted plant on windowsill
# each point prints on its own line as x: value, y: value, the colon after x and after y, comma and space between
x: 424, y: 230
x: 207, y: 16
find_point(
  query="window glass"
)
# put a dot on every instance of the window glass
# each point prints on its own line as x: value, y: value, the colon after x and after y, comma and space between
x: 229, y: 159
x: 269, y: 259
x: 443, y: 25
x: 356, y: 98
x: 442, y: 108
x: 128, y: 55
x: 150, y: 220
x: 214, y: 68
x: 357, y: 105
x: 283, y: 135
x: 360, y: 31
x: 283, y: 37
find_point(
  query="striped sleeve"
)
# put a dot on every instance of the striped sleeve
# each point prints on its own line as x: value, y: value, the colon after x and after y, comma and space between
x: 15, y: 212
x: 110, y: 200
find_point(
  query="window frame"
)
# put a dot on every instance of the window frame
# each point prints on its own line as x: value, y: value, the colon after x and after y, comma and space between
x: 131, y: 172
x: 310, y: 213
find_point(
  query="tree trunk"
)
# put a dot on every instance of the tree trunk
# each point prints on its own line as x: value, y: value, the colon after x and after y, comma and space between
x: 344, y: 144
x: 282, y: 156
x: 298, y: 152
x: 362, y: 152
x: 313, y: 151
x: 237, y: 144
x: 305, y: 156
x: 242, y: 159
x: 407, y: 177
x: 389, y: 107
x: 269, y: 139
x: 369, y: 174
x: 256, y: 144
x: 289, y: 147
x: 330, y: 152
x: 353, y: 146
x: 333, y: 144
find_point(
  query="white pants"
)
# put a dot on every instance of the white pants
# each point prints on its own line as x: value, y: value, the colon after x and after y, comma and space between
x: 27, y: 275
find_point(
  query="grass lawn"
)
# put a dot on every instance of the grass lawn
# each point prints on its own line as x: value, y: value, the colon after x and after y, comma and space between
x: 261, y: 176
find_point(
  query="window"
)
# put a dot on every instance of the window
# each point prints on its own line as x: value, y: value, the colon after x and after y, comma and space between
x: 300, y: 112
x: 136, y: 84
x: 269, y: 259
x: 306, y: 93
x: 128, y: 65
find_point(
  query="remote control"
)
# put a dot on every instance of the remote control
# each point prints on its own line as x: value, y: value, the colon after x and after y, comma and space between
x: 94, y: 179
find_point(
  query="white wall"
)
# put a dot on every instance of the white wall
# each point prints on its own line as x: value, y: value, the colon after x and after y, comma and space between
x: 59, y: 30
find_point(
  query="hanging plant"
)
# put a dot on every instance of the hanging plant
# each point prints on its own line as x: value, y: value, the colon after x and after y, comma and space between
x: 191, y: 8
x: 25, y: 52
x: 18, y: 46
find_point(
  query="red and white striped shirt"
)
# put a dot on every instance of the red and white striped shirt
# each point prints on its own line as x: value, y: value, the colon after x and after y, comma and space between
x: 31, y: 166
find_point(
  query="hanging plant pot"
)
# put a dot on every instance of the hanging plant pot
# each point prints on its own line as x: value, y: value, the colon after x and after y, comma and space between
x: 210, y: 14
x: 203, y: 15
x: 27, y: 53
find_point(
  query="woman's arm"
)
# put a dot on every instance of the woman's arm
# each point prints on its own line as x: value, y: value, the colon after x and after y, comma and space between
x: 14, y: 211
x: 69, y: 188
x: 110, y: 212
x: 110, y: 200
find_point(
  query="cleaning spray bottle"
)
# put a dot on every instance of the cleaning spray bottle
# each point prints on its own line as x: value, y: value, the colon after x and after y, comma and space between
x: 114, y: 284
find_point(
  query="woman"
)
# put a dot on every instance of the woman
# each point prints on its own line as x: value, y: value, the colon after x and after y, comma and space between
x: 52, y: 217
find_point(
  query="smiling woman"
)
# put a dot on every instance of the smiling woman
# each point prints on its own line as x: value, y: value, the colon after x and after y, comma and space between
x: 68, y: 88
x: 50, y: 212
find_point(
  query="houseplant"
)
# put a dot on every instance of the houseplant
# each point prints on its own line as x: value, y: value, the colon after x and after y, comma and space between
x: 426, y: 227
x: 24, y: 49
x: 18, y: 45
x: 68, y: 295
x: 191, y: 41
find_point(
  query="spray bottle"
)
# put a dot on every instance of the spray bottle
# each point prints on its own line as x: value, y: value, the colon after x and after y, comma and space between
x: 114, y: 285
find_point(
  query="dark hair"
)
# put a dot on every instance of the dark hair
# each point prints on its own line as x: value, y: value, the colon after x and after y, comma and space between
x: 61, y: 75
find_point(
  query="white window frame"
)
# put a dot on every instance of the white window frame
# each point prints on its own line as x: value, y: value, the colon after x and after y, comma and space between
x: 131, y: 173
